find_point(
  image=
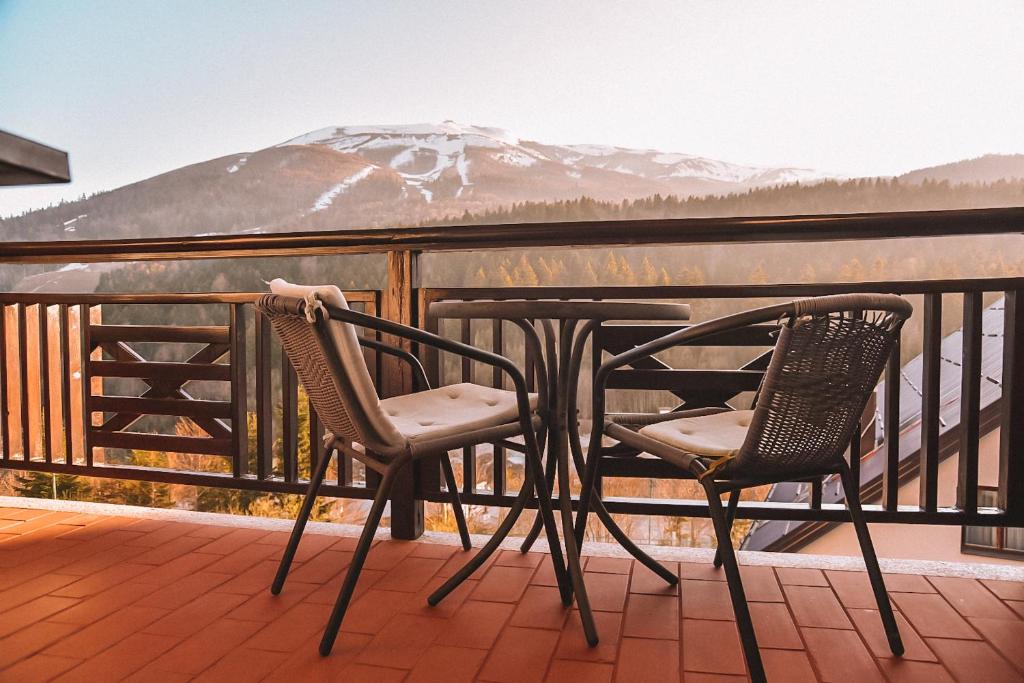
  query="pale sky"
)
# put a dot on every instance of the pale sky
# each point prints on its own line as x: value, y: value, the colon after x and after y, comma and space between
x: 132, y: 89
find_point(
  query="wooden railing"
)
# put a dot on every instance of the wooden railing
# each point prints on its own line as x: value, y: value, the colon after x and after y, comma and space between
x: 62, y: 344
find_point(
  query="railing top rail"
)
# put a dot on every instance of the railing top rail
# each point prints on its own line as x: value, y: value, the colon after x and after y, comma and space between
x: 815, y: 228
x: 166, y: 298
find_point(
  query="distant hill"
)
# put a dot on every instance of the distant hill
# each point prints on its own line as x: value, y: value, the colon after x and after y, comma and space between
x: 986, y: 169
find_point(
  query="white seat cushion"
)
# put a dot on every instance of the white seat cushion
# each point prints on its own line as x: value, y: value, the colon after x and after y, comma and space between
x: 714, y: 436
x: 451, y: 410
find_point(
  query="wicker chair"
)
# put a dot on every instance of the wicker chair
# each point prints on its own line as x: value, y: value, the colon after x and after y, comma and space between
x: 827, y: 359
x: 317, y: 332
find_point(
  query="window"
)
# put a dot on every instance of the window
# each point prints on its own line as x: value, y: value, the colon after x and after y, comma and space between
x: 991, y: 540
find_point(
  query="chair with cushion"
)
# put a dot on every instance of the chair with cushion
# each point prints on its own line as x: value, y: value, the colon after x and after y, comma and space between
x: 827, y: 359
x: 317, y: 331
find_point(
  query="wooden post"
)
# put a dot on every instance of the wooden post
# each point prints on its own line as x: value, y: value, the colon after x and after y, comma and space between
x: 399, y: 305
x: 1011, y: 428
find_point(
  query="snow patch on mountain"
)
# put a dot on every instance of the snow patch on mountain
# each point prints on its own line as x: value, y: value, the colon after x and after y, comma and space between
x: 329, y: 196
x: 233, y: 168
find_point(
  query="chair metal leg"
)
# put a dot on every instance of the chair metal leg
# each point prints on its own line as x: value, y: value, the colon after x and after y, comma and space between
x: 730, y: 517
x: 300, y: 522
x: 453, y: 493
x: 348, y: 587
x: 732, y: 576
x: 892, y: 630
x: 467, y: 570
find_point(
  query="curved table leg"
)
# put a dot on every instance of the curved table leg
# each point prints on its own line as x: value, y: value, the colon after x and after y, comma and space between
x: 572, y: 554
x: 576, y: 448
x: 501, y: 533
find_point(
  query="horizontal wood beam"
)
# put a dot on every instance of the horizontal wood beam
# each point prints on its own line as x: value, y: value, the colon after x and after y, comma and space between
x: 806, y: 228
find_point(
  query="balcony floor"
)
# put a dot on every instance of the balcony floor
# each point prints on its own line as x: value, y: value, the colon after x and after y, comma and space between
x: 97, y: 597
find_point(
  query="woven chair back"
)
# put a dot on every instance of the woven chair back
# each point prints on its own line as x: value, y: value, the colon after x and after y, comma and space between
x: 312, y: 350
x: 828, y: 359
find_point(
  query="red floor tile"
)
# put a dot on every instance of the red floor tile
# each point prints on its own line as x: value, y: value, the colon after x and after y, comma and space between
x: 1006, y: 637
x: 294, y: 629
x: 515, y: 558
x: 760, y: 584
x: 206, y: 647
x: 573, y: 644
x: 446, y: 664
x: 31, y: 639
x: 121, y: 660
x: 970, y: 598
x: 540, y: 607
x: 401, y: 642
x: 35, y: 610
x: 932, y: 616
x: 840, y: 656
x: 521, y: 655
x: 706, y: 600
x: 652, y: 616
x: 386, y: 554
x: 369, y: 612
x: 908, y: 671
x: 853, y: 589
x: 774, y: 627
x: 907, y: 583
x: 503, y: 584
x: 196, y: 615
x: 869, y: 624
x: 704, y: 571
x: 816, y: 606
x: 567, y: 671
x: 98, y: 636
x: 609, y: 565
x: 972, y: 660
x: 712, y: 647
x: 476, y: 624
x: 81, y: 601
x: 642, y: 660
x: 791, y: 666
x: 1006, y: 590
x: 607, y: 592
x: 798, y: 576
x: 242, y: 666
x: 646, y: 581
x: 39, y: 668
x: 410, y: 575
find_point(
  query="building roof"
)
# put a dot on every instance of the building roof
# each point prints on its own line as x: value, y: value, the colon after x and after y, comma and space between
x: 791, y: 535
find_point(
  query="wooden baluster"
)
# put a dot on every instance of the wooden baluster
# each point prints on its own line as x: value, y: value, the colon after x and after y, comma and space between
x: 46, y: 437
x: 5, y: 425
x: 891, y: 425
x: 497, y: 381
x: 970, y: 405
x: 931, y: 373
x: 85, y: 349
x: 26, y: 445
x: 264, y: 403
x: 65, y: 382
x: 239, y: 395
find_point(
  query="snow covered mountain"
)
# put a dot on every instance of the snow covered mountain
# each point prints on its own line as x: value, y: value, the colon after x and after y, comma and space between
x: 450, y: 160
x: 380, y: 176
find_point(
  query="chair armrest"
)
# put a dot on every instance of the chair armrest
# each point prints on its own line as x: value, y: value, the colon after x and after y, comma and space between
x: 435, y: 341
x: 419, y: 375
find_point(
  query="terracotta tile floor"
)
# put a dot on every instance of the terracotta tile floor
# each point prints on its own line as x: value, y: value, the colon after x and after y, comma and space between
x: 95, y: 598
